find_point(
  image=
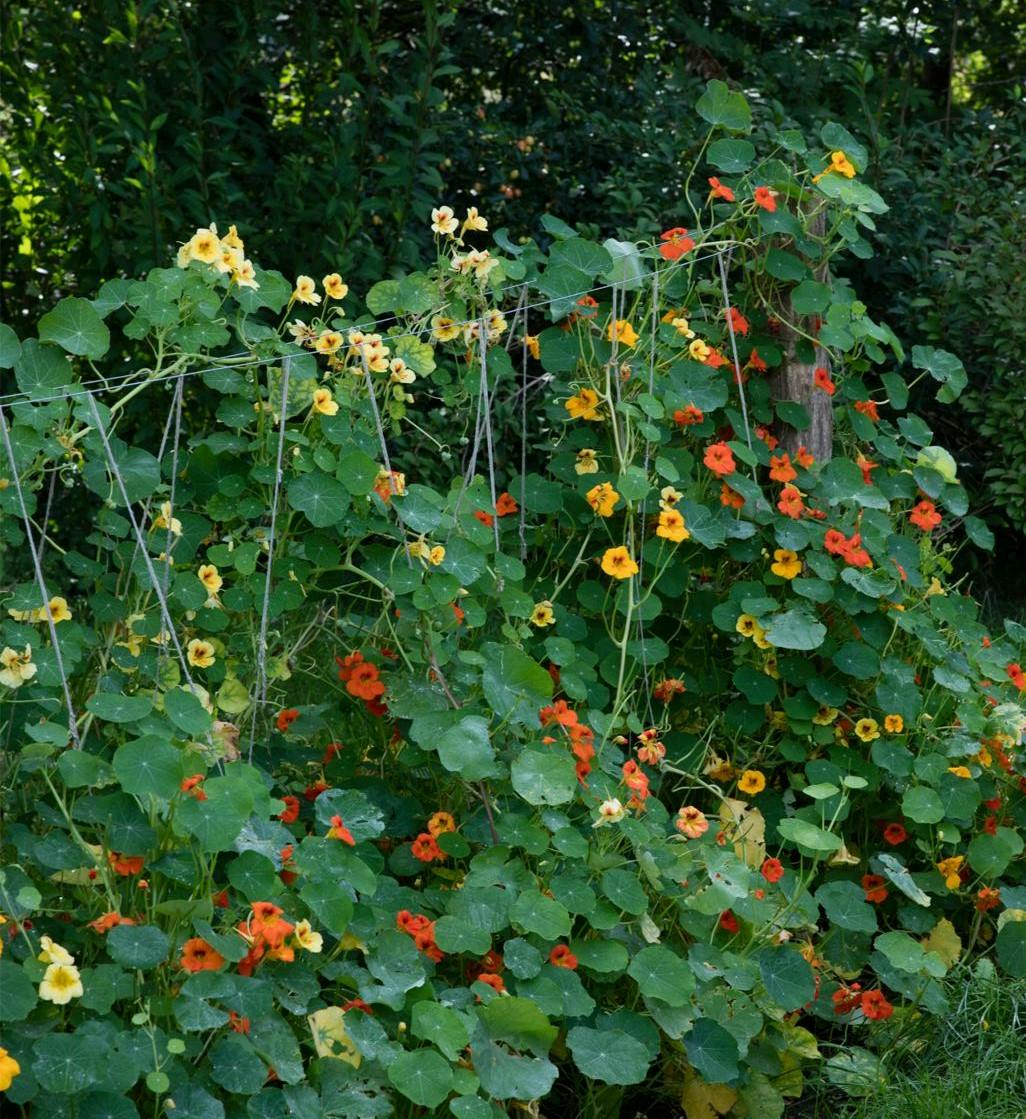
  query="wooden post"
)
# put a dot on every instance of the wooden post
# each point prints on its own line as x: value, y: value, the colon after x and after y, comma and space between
x: 794, y: 380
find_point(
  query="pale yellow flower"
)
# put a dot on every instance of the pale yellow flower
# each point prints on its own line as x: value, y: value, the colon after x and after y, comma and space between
x: 587, y: 461
x: 165, y: 521
x: 323, y: 402
x: 52, y: 953
x: 307, y: 938
x: 436, y: 555
x: 17, y: 667
x: 328, y: 341
x: 474, y: 221
x: 200, y: 653
x: 232, y: 239
x: 210, y: 577
x: 306, y: 291
x: 400, y: 373
x: 668, y: 497
x: 610, y: 812
x: 543, y: 615
x: 444, y: 328
x: 245, y: 275
x: 443, y: 221
x: 334, y: 288
x: 683, y: 327
x: 61, y: 983
x: 825, y: 715
x: 204, y: 246
x: 698, y: 350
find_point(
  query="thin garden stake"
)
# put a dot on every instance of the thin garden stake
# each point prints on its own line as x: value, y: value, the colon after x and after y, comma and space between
x: 487, y: 409
x: 150, y: 569
x: 523, y: 443
x: 371, y: 396
x: 40, y: 582
x: 733, y: 348
x: 261, y: 688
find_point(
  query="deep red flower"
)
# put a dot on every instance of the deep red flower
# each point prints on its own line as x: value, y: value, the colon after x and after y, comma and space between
x: 290, y: 813
x: 875, y: 888
x: 561, y: 956
x: 895, y: 834
x: 875, y: 1006
x: 772, y: 870
x: 728, y: 922
x: 286, y: 718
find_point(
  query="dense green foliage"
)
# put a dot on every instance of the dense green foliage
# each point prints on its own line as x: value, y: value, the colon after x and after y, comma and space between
x: 671, y: 769
x: 331, y: 127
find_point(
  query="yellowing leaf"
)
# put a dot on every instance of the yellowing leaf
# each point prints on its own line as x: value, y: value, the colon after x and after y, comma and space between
x: 746, y: 826
x: 705, y: 1101
x: 945, y: 941
x: 328, y: 1027
x: 799, y: 1041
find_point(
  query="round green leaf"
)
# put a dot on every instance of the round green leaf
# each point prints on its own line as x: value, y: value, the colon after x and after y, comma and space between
x: 75, y: 326
x: 149, y: 766
x: 544, y: 776
x: 713, y: 1051
x: 119, y: 708
x: 422, y: 1076
x: 323, y: 499
x: 609, y: 1056
x: 138, y: 946
x: 922, y: 805
x: 787, y: 977
x: 662, y: 974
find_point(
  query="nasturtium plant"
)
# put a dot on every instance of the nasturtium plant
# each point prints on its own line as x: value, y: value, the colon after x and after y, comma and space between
x: 485, y: 690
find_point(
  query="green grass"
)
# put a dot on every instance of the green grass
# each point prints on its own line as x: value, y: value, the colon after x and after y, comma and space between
x: 970, y: 1064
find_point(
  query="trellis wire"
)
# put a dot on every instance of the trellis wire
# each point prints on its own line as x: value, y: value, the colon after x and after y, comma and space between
x: 40, y: 582
x: 261, y: 688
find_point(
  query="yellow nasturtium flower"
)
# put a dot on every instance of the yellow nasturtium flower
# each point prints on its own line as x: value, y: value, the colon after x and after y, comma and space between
x: 949, y: 869
x: 543, y: 614
x: 334, y: 288
x: 443, y: 221
x: 328, y: 342
x: 306, y: 937
x: 16, y: 668
x: 9, y: 1069
x: 306, y: 291
x: 867, y: 729
x: 210, y: 577
x: 619, y: 563
x: 786, y: 563
x: 672, y: 526
x: 751, y: 782
x: 583, y: 406
x: 587, y: 461
x: 894, y: 724
x: 474, y: 221
x: 323, y: 403
x: 624, y: 333
x: 199, y: 653
x: 602, y: 498
x: 698, y: 350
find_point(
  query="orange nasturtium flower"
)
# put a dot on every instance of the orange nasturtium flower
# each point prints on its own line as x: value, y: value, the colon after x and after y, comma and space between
x: 338, y: 830
x: 949, y: 870
x: 676, y: 243
x: 198, y: 955
x: 718, y: 190
x: 720, y: 459
x: 441, y: 822
x: 619, y: 563
x: 766, y: 198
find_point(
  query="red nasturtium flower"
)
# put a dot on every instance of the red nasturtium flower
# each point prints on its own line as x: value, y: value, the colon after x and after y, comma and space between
x: 847, y: 999
x: 338, y: 830
x: 313, y: 791
x: 772, y: 870
x: 109, y: 921
x: 1016, y: 674
x: 191, y: 785
x: 867, y: 467
x: 728, y: 922
x: 821, y: 380
x: 925, y: 516
x: 755, y: 362
x: 790, y: 503
x: 875, y: 1006
x: 895, y: 834
x: 505, y: 505
x: 492, y: 980
x: 685, y: 417
x: 561, y: 956
x: 738, y: 322
x: 198, y: 955
x: 485, y: 518
x: 425, y: 847
x: 868, y: 409
x: 875, y: 888
x: 988, y: 897
x: 286, y: 718
x: 765, y: 198
x: 720, y: 459
x: 718, y: 190
x: 239, y: 1024
x: 730, y: 498
x: 676, y: 243
x: 125, y: 865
